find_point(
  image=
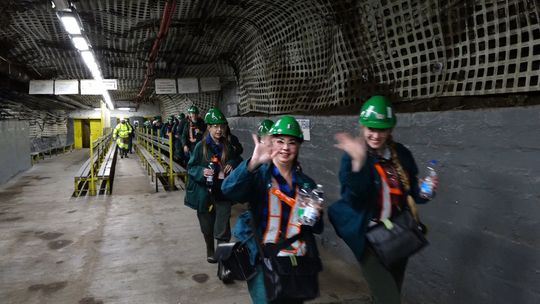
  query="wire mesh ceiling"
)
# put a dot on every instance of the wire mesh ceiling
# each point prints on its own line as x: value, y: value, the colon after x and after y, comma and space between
x: 290, y: 55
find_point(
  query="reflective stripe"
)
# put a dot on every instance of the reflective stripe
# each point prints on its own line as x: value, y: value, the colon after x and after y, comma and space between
x: 386, y: 204
x: 274, y: 220
x: 273, y: 226
x: 386, y: 190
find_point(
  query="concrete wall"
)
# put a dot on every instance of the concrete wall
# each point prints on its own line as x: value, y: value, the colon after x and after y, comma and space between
x: 14, y: 148
x: 485, y: 221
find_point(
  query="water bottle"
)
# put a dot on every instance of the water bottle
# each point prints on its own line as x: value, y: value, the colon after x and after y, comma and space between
x: 426, y: 186
x: 312, y: 200
x: 210, y: 178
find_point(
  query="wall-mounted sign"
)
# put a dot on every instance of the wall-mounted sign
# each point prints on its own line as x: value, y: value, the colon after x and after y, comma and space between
x: 110, y: 84
x: 188, y: 85
x: 66, y: 87
x: 165, y: 86
x: 304, y: 125
x: 41, y: 87
x: 210, y: 84
x: 91, y: 87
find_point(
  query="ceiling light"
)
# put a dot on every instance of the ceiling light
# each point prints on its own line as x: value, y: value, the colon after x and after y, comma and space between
x: 80, y: 43
x: 108, y: 100
x: 90, y: 62
x: 71, y: 25
x: 124, y: 109
x: 96, y: 73
x: 97, y: 109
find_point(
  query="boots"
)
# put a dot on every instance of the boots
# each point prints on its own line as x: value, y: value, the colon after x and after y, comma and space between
x: 209, y: 240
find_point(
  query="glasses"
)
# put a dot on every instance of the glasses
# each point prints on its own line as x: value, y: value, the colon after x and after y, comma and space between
x: 280, y: 142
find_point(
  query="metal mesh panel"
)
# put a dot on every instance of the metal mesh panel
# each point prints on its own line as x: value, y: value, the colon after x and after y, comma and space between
x: 176, y: 104
x: 290, y: 56
x: 417, y: 49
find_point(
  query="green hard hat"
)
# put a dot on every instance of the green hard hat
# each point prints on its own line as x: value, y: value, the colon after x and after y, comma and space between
x: 193, y: 109
x: 215, y: 117
x: 264, y: 127
x: 287, y: 125
x: 181, y: 116
x: 377, y: 113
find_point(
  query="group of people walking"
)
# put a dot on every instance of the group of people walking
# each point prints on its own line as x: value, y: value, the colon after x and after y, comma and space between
x: 378, y: 179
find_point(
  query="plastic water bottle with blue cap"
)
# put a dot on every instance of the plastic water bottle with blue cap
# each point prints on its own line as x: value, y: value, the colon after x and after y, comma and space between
x: 426, y: 185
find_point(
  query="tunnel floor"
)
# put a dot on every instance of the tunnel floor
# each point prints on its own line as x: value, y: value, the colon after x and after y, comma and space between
x: 135, y: 246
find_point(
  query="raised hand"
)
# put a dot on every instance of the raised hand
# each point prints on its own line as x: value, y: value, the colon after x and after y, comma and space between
x: 262, y: 153
x: 354, y: 146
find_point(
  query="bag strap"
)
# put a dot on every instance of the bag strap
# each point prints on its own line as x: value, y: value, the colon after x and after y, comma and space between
x: 256, y: 234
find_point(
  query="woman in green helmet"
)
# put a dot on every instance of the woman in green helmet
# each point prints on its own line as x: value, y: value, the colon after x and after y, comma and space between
x: 271, y: 182
x: 264, y: 128
x: 378, y: 180
x: 212, y: 160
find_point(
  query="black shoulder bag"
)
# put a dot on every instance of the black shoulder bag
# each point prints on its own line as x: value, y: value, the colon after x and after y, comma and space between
x: 291, y: 277
x: 234, y: 257
x: 396, y: 239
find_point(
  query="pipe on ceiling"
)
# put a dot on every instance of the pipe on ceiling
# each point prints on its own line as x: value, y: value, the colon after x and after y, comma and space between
x: 168, y: 11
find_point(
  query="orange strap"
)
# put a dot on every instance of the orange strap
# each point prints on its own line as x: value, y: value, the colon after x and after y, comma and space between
x: 381, y: 172
x: 284, y: 197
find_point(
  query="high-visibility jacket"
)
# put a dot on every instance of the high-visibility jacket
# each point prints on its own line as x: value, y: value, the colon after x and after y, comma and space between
x: 122, y: 131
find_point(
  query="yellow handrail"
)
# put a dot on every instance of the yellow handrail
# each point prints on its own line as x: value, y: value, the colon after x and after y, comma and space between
x: 171, y: 171
x: 99, y: 144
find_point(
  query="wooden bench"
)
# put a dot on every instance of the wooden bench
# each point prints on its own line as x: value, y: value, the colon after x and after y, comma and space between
x: 177, y: 169
x: 153, y: 167
x: 48, y: 145
x: 106, y: 170
x: 83, y: 175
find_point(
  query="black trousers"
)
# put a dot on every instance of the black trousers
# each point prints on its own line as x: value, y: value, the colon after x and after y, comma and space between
x: 217, y: 222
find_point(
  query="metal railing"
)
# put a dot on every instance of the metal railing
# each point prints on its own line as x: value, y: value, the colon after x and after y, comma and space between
x: 155, y: 144
x: 98, y: 150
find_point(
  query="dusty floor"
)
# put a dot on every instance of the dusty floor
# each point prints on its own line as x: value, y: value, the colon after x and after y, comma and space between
x: 135, y: 246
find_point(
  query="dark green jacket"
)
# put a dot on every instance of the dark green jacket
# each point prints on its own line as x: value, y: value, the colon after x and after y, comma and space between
x: 351, y: 214
x: 187, y: 128
x: 197, y: 195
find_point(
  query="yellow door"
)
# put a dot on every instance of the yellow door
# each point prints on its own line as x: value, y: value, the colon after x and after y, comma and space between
x: 77, y: 133
x: 95, y: 129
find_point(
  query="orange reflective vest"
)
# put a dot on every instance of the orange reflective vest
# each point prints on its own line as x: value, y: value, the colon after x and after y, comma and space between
x: 273, y: 227
x: 385, y: 200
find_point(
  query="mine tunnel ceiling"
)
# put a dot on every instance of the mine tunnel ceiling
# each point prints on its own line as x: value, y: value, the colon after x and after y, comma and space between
x: 282, y: 56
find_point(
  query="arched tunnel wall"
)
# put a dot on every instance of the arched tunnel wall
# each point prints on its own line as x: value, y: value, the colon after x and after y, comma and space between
x: 484, y: 222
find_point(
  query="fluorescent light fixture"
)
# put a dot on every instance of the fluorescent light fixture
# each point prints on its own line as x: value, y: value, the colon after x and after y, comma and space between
x: 96, y: 74
x: 71, y: 25
x: 108, y: 100
x: 97, y: 109
x: 124, y: 109
x: 89, y: 59
x: 80, y: 43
